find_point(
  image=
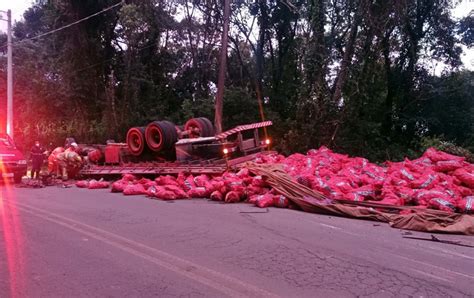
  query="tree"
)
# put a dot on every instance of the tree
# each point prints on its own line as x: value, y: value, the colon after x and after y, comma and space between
x: 350, y: 74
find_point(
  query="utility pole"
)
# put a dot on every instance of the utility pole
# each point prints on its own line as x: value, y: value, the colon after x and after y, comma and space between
x: 9, y: 77
x: 222, y: 69
x: 9, y: 129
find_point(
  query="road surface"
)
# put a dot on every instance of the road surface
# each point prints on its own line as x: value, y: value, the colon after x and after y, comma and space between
x: 58, y: 242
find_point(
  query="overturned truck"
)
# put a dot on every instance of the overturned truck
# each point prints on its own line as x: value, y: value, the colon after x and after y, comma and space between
x: 163, y: 148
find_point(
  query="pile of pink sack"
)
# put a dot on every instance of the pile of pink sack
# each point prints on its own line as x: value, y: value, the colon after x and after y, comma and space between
x: 436, y: 180
x: 228, y: 188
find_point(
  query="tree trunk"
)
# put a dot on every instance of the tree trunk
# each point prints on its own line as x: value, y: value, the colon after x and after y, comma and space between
x: 259, y: 55
x: 388, y: 110
x: 222, y: 69
x: 346, y: 60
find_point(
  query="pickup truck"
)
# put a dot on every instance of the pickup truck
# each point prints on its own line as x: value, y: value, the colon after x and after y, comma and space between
x: 12, y: 162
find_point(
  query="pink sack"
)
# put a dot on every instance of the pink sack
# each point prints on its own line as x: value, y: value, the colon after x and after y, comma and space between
x: 243, y: 173
x: 217, y: 196
x: 188, y: 183
x: 218, y: 185
x: 406, y: 175
x: 201, y: 180
x: 405, y: 193
x: 134, y: 189
x: 443, y: 204
x: 393, y: 200
x: 180, y: 194
x: 340, y: 184
x: 465, y: 177
x: 232, y: 197
x: 253, y: 199
x: 147, y: 183
x: 436, y: 155
x: 281, y: 201
x: 128, y: 177
x: 180, y: 179
x: 265, y: 201
x: 152, y: 190
x: 255, y: 190
x: 427, y: 195
x: 82, y: 184
x: 198, y: 192
x: 144, y: 181
x: 447, y: 165
x: 321, y: 186
x: 351, y: 196
x: 166, y: 180
x: 389, y: 197
x: 366, y: 191
x: 464, y: 191
x: 337, y: 195
x: 235, y: 185
x: 98, y: 184
x: 163, y: 194
x: 119, y: 186
x: 426, y: 181
x: 466, y: 205
x: 258, y: 181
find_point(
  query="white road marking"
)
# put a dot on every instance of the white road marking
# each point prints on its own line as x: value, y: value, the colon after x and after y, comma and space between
x: 227, y: 285
x: 437, y: 250
x: 453, y: 253
x: 433, y: 266
x: 431, y: 275
x: 329, y: 226
x: 342, y: 230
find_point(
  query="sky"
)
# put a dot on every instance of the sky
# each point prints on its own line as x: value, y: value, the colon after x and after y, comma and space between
x: 462, y: 9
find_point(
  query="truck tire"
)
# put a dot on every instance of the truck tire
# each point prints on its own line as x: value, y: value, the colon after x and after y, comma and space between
x: 210, y: 128
x: 136, y: 140
x: 161, y: 135
x: 155, y: 135
x: 171, y: 135
x: 198, y: 128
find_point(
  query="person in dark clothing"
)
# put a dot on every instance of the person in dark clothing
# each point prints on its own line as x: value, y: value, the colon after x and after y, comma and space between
x: 37, y: 158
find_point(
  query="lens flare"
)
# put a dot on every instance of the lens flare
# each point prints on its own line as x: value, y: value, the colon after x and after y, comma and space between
x: 12, y: 237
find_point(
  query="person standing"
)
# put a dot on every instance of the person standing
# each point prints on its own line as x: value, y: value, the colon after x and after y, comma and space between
x: 37, y: 158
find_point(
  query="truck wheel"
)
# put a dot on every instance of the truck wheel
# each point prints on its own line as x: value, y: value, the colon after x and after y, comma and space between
x: 17, y: 178
x: 198, y: 128
x: 171, y: 135
x: 161, y: 135
x: 210, y: 128
x: 136, y: 140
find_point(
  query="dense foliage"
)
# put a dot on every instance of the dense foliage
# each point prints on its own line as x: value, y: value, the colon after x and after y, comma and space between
x: 355, y: 75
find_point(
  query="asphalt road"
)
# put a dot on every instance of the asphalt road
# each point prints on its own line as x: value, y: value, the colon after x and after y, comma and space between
x: 57, y: 242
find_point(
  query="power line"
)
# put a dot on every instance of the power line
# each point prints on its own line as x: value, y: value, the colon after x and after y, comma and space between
x: 108, y: 60
x: 71, y: 24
